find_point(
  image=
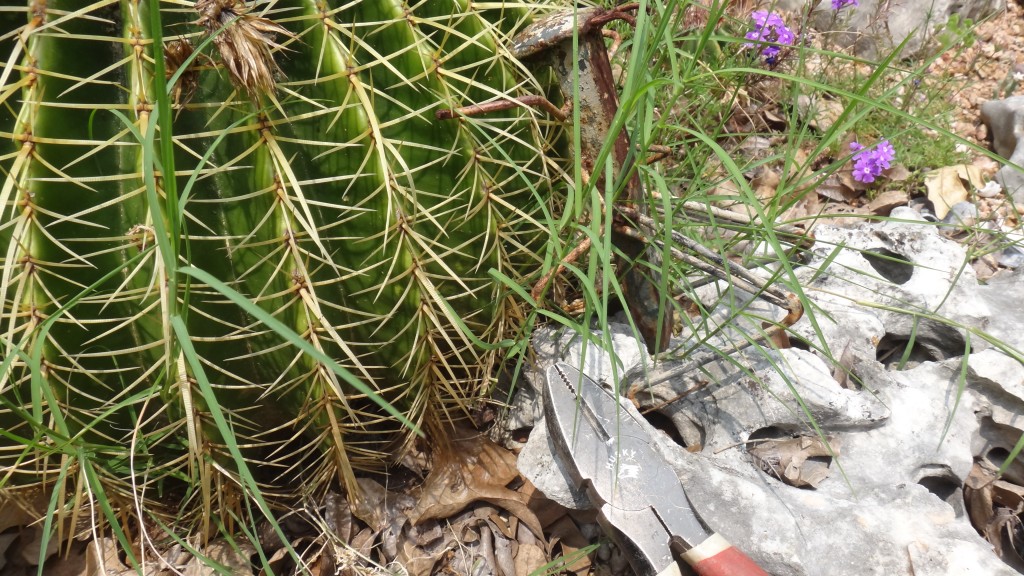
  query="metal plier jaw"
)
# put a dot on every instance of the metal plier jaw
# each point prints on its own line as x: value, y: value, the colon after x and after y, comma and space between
x: 608, y: 453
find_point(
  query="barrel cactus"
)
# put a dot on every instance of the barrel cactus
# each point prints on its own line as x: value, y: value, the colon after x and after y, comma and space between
x: 143, y: 317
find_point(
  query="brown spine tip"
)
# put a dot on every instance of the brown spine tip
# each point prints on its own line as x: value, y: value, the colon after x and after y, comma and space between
x: 445, y: 114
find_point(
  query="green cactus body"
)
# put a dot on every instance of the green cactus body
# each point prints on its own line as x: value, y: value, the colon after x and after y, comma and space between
x: 338, y: 204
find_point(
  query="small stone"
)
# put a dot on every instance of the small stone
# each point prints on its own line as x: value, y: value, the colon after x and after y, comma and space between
x: 1005, y: 119
x: 987, y: 165
x: 906, y: 213
x: 990, y: 190
x: 964, y: 128
x: 983, y: 269
x: 1011, y: 257
x: 963, y: 214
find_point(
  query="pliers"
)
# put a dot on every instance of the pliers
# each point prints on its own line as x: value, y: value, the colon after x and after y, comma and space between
x: 641, y: 503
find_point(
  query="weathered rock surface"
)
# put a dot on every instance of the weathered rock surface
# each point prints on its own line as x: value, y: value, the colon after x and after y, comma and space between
x: 875, y: 27
x: 914, y: 280
x: 1005, y: 121
x: 908, y: 425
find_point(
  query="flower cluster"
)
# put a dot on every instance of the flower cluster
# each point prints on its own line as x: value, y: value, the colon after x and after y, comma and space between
x: 769, y: 27
x: 840, y: 4
x: 869, y: 163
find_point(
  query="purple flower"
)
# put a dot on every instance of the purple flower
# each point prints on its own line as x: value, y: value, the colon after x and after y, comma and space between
x: 768, y: 27
x: 869, y: 163
x: 840, y: 4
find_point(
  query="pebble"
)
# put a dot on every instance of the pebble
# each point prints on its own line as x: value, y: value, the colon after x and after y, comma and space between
x: 1011, y: 257
x: 988, y: 166
x: 991, y: 189
x: 906, y: 213
x: 963, y: 214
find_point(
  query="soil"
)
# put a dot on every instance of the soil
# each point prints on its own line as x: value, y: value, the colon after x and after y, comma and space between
x: 985, y: 70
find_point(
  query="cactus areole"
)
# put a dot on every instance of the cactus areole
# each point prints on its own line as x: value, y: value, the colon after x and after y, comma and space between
x: 314, y: 195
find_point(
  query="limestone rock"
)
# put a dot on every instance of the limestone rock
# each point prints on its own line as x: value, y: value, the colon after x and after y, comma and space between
x: 909, y: 424
x: 909, y: 276
x: 1005, y: 121
x: 875, y: 27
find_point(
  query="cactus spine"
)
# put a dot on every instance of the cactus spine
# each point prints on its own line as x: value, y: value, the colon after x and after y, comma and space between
x: 310, y: 177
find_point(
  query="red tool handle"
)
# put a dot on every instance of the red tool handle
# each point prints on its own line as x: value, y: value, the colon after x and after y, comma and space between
x: 716, y: 557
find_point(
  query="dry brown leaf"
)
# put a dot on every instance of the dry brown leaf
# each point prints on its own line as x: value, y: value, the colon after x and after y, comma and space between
x: 73, y: 561
x: 986, y: 516
x: 176, y: 52
x: 765, y: 183
x: 779, y: 340
x: 801, y: 166
x: 338, y: 516
x: 418, y: 560
x: 789, y: 460
x: 101, y: 557
x: 224, y: 554
x: 529, y: 558
x: 821, y: 113
x: 839, y: 187
x: 770, y: 117
x: 474, y: 549
x: 504, y: 556
x: 985, y: 267
x: 567, y: 534
x: 501, y: 525
x: 474, y: 469
x: 951, y: 184
x: 21, y: 507
x: 898, y: 173
x: 380, y: 508
x: 807, y: 205
x: 386, y: 513
x: 31, y: 542
x: 1008, y: 521
x: 1008, y: 494
x: 363, y: 541
x: 842, y: 215
x: 884, y: 203
x: 547, y: 511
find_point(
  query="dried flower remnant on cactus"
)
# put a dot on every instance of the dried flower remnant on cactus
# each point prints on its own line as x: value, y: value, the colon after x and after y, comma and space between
x: 175, y: 54
x: 840, y: 4
x: 769, y: 27
x: 245, y: 43
x: 869, y: 163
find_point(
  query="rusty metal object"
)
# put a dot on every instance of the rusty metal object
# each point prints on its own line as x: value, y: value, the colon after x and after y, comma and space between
x: 549, y: 41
